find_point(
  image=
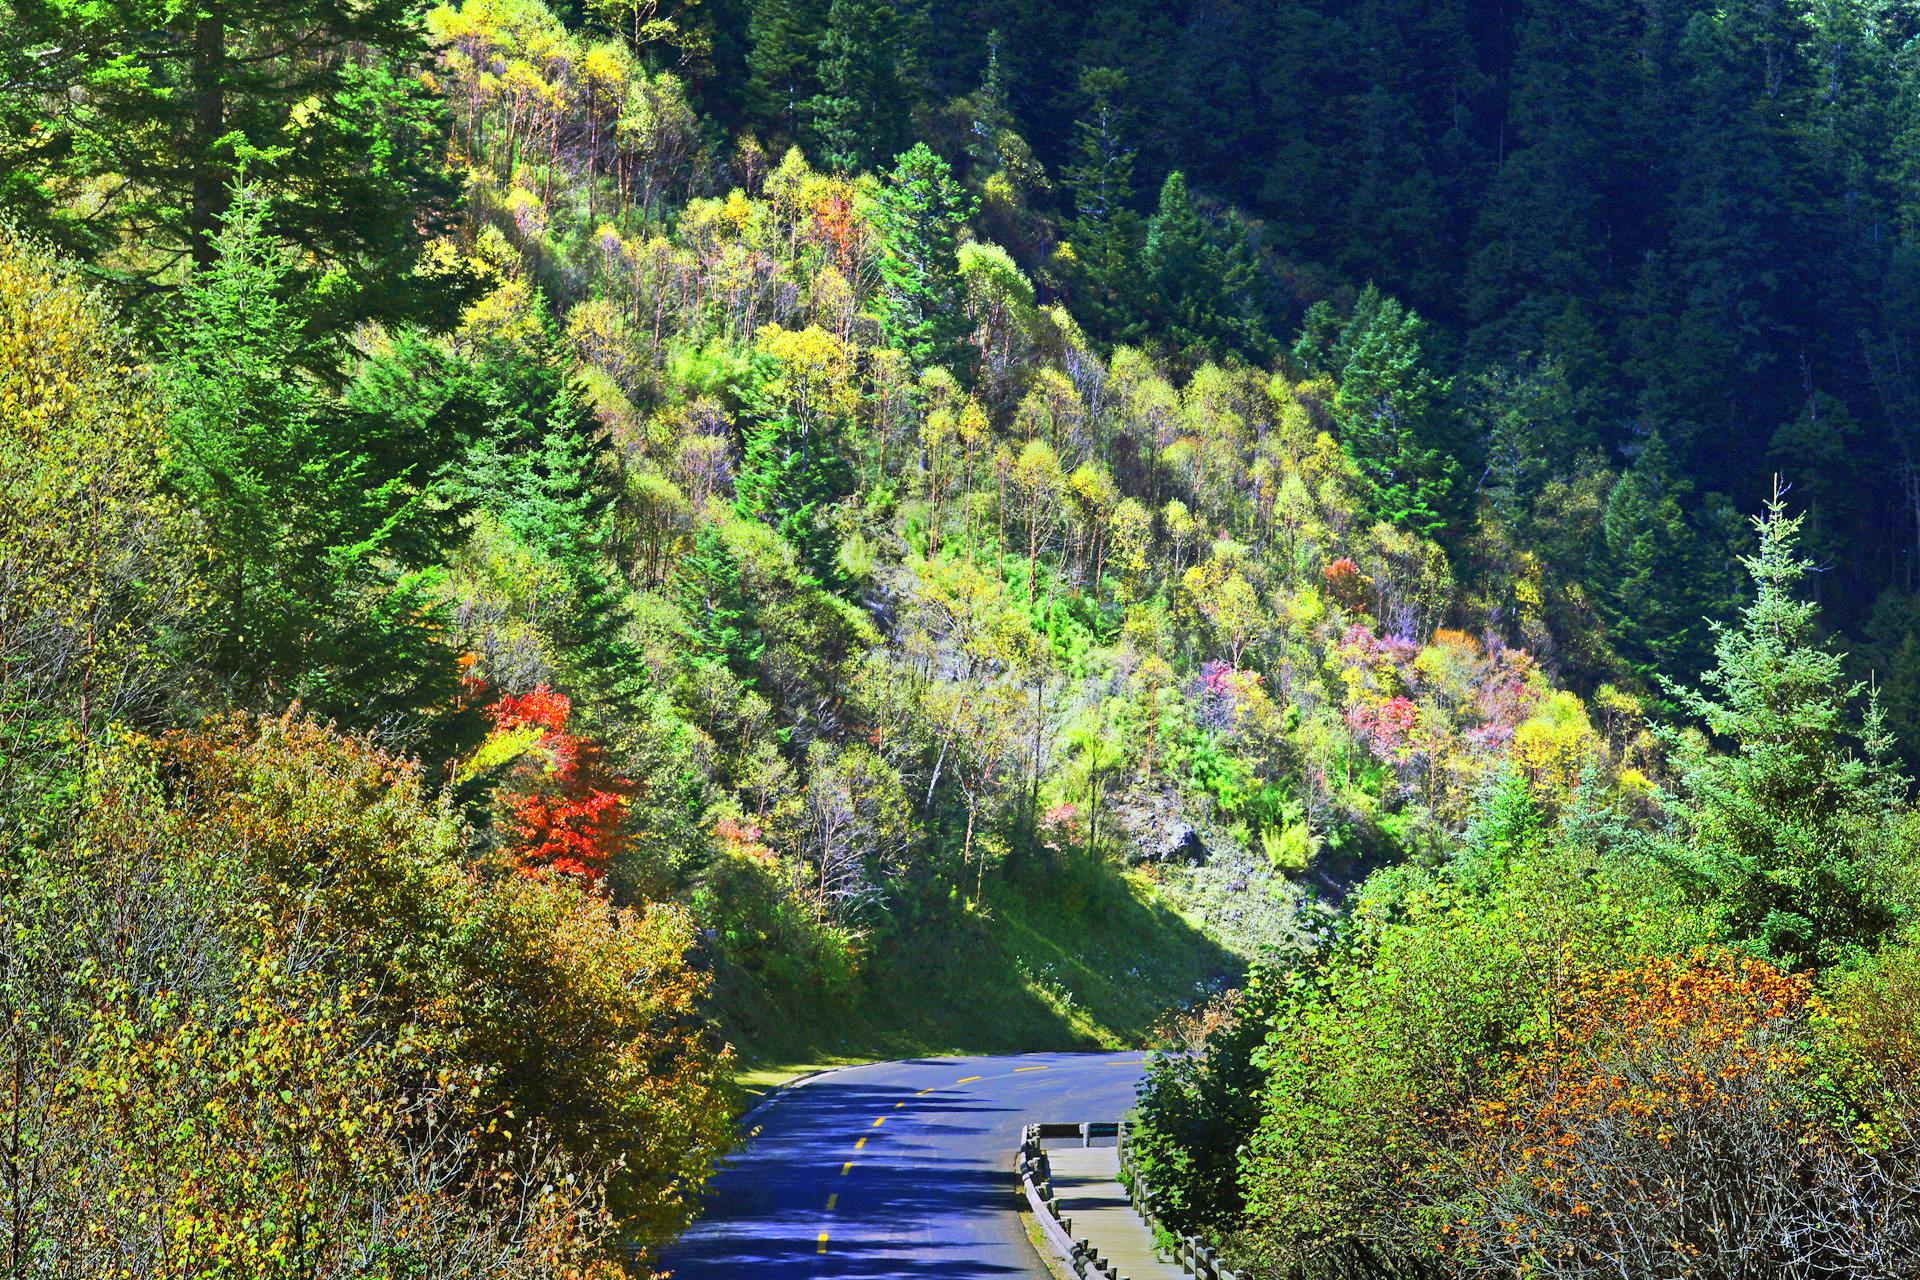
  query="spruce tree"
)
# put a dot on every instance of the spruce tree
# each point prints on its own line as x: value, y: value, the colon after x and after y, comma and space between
x: 783, y: 46
x: 719, y: 615
x: 540, y: 465
x: 1528, y: 435
x: 858, y: 115
x: 157, y: 109
x: 792, y: 477
x: 1791, y: 804
x: 1176, y: 266
x: 1200, y: 288
x: 1658, y: 578
x: 990, y: 116
x: 1389, y: 409
x: 316, y: 517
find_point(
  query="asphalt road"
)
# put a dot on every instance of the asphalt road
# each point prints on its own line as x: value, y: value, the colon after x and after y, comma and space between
x: 897, y: 1169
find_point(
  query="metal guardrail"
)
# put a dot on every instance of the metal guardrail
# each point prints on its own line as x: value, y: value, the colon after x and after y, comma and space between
x: 1190, y: 1253
x: 1036, y: 1179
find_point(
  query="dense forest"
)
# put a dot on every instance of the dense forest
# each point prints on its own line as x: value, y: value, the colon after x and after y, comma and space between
x: 551, y: 553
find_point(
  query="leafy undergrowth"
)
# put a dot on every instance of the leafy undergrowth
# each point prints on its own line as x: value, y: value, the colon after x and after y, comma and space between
x: 1072, y: 956
x: 1237, y: 897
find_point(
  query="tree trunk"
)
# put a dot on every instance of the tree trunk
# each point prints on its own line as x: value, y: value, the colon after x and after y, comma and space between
x: 966, y: 851
x: 209, y: 194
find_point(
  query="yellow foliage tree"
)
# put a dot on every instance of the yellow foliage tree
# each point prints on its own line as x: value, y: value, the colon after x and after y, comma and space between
x: 92, y: 550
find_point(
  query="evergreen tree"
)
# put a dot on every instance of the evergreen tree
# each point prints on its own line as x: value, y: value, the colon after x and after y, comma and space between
x: 792, y: 475
x: 314, y: 512
x: 1743, y: 257
x: 919, y: 211
x: 157, y: 109
x: 1200, y: 292
x: 540, y: 465
x: 783, y: 47
x: 1573, y: 183
x: 858, y: 115
x: 1389, y: 409
x: 1176, y: 265
x: 1528, y: 435
x: 1790, y: 827
x: 1104, y: 230
x: 1658, y: 580
x: 1889, y: 656
x: 990, y: 121
x: 719, y: 615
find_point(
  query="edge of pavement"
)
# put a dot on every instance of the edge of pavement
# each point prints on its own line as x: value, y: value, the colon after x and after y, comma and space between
x: 773, y: 1094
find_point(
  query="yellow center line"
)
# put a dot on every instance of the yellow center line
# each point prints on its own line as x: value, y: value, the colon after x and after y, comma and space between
x: 823, y: 1243
x: 1018, y: 1070
x: 966, y: 1079
x: 923, y: 1093
x: 877, y: 1123
x: 898, y: 1105
x: 833, y: 1198
x: 860, y: 1144
x: 846, y: 1168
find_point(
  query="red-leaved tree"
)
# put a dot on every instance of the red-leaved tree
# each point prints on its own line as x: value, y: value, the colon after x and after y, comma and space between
x: 563, y: 805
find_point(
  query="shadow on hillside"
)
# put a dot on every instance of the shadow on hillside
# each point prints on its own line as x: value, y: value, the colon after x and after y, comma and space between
x: 1073, y: 954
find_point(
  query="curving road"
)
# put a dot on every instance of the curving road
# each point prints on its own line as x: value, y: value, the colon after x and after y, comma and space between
x: 897, y: 1169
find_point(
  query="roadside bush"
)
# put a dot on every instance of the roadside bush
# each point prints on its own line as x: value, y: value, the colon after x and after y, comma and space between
x: 1199, y: 1104
x: 269, y: 1022
x: 1666, y: 1127
x: 1368, y: 1056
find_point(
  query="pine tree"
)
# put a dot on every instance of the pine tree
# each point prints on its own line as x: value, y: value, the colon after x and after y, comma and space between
x: 535, y: 458
x: 1105, y: 231
x: 1573, y: 182
x: 1178, y: 269
x: 857, y: 117
x: 919, y: 211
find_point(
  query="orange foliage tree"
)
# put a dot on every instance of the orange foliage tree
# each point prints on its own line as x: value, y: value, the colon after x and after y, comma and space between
x: 1658, y: 1130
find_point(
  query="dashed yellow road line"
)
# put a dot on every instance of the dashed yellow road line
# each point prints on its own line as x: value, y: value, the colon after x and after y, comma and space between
x: 860, y: 1144
x: 923, y: 1093
x: 898, y: 1105
x: 823, y: 1243
x: 833, y: 1199
x: 880, y: 1121
x: 846, y: 1168
x: 1018, y: 1070
x: 966, y: 1079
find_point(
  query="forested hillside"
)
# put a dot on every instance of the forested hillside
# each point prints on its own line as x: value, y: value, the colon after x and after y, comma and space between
x: 552, y: 553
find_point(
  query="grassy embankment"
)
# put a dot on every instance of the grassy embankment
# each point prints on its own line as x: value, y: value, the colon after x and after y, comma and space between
x: 1084, y: 958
